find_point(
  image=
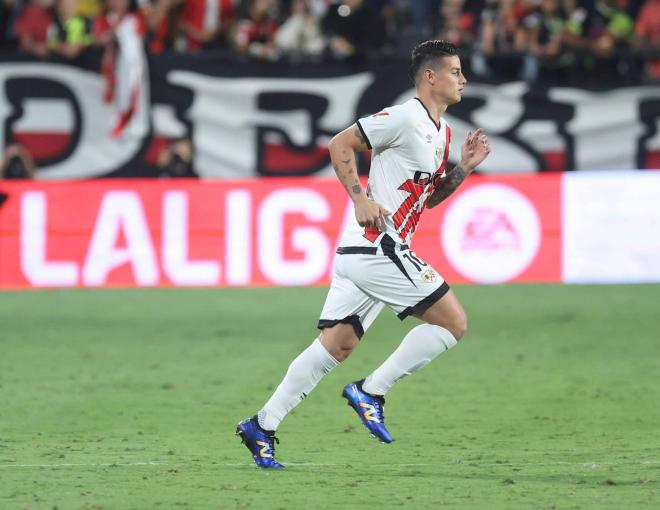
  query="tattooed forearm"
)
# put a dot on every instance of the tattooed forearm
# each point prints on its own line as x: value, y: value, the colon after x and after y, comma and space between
x: 448, y: 185
x: 348, y: 174
x: 342, y: 150
x: 346, y: 170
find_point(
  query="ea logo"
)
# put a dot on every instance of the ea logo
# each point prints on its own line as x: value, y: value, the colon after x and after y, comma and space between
x: 491, y: 233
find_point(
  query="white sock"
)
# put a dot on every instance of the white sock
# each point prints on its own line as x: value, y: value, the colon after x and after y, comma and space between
x: 418, y: 348
x: 303, y: 375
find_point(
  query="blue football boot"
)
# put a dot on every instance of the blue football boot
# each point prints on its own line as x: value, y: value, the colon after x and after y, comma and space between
x: 369, y: 409
x: 260, y: 442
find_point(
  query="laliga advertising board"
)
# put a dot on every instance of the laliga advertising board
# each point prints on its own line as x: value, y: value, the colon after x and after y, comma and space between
x: 258, y: 232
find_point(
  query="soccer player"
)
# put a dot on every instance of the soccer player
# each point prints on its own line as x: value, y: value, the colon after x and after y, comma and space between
x: 375, y: 266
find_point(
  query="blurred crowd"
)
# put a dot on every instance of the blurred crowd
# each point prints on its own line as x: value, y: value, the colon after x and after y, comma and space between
x: 501, y: 39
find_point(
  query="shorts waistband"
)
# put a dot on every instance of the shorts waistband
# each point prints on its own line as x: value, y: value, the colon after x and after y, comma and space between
x: 352, y: 250
x: 369, y: 250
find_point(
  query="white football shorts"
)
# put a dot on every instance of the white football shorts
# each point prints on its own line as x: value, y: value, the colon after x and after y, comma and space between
x: 366, y: 279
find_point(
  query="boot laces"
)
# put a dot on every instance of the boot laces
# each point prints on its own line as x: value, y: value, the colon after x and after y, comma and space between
x: 379, y: 405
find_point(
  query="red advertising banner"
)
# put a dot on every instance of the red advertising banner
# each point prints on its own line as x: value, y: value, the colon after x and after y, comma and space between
x: 265, y: 232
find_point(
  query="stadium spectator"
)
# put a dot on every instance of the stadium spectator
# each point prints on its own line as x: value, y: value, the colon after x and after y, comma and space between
x: 559, y: 40
x: 456, y: 26
x: 17, y: 163
x: 495, y: 37
x: 470, y: 12
x: 8, y: 14
x: 300, y: 37
x: 424, y: 14
x: 392, y: 21
x: 255, y: 32
x: 206, y: 23
x: 32, y: 27
x: 90, y: 8
x: 162, y: 18
x: 69, y: 33
x: 352, y: 30
x: 647, y: 37
x: 596, y: 34
x: 121, y: 31
x: 175, y: 159
x: 542, y: 31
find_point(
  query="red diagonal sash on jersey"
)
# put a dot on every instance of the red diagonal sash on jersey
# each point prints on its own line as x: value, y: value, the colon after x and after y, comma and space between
x: 406, y: 221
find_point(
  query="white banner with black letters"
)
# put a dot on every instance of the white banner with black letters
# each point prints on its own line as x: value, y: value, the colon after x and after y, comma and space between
x: 247, y: 119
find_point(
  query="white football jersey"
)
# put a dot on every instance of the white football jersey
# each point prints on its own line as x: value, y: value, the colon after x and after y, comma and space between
x: 409, y: 154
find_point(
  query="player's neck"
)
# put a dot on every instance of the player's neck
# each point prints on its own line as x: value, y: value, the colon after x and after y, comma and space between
x: 435, y: 109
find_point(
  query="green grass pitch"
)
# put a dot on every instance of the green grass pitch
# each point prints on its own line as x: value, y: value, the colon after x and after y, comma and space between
x: 128, y: 399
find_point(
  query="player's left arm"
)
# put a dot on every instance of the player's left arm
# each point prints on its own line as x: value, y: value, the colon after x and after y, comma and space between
x: 474, y: 150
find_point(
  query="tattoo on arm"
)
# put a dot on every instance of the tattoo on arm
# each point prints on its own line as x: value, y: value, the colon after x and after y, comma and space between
x: 447, y: 186
x: 356, y: 187
x: 342, y: 156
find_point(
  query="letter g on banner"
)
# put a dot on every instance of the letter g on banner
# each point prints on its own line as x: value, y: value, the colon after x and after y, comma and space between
x: 309, y: 240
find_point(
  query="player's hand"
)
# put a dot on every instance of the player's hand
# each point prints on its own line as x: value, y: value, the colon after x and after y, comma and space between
x: 474, y: 150
x: 370, y: 214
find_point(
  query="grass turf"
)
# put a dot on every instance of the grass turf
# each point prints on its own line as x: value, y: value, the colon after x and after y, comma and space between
x: 129, y: 399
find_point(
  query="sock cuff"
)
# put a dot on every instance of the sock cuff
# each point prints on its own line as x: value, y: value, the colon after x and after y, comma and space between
x: 446, y: 337
x: 261, y: 420
x: 328, y: 360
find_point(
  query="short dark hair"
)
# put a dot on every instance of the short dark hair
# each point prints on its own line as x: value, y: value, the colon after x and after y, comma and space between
x: 427, y: 51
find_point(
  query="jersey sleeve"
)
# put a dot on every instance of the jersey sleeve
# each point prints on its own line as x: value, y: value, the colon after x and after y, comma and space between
x: 383, y: 129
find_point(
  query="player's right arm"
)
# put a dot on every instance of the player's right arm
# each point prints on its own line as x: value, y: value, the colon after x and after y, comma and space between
x: 342, y: 155
x: 474, y: 150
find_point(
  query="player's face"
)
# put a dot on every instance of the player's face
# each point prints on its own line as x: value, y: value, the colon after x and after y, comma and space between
x: 449, y: 81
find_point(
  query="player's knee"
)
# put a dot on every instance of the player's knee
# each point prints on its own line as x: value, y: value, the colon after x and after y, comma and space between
x: 340, y: 346
x: 341, y: 352
x: 459, y: 326
x: 456, y: 325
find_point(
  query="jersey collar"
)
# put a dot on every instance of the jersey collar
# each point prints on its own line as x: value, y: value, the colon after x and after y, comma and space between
x: 436, y: 124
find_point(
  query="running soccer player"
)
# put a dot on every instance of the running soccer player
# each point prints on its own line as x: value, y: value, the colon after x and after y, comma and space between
x: 375, y: 266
